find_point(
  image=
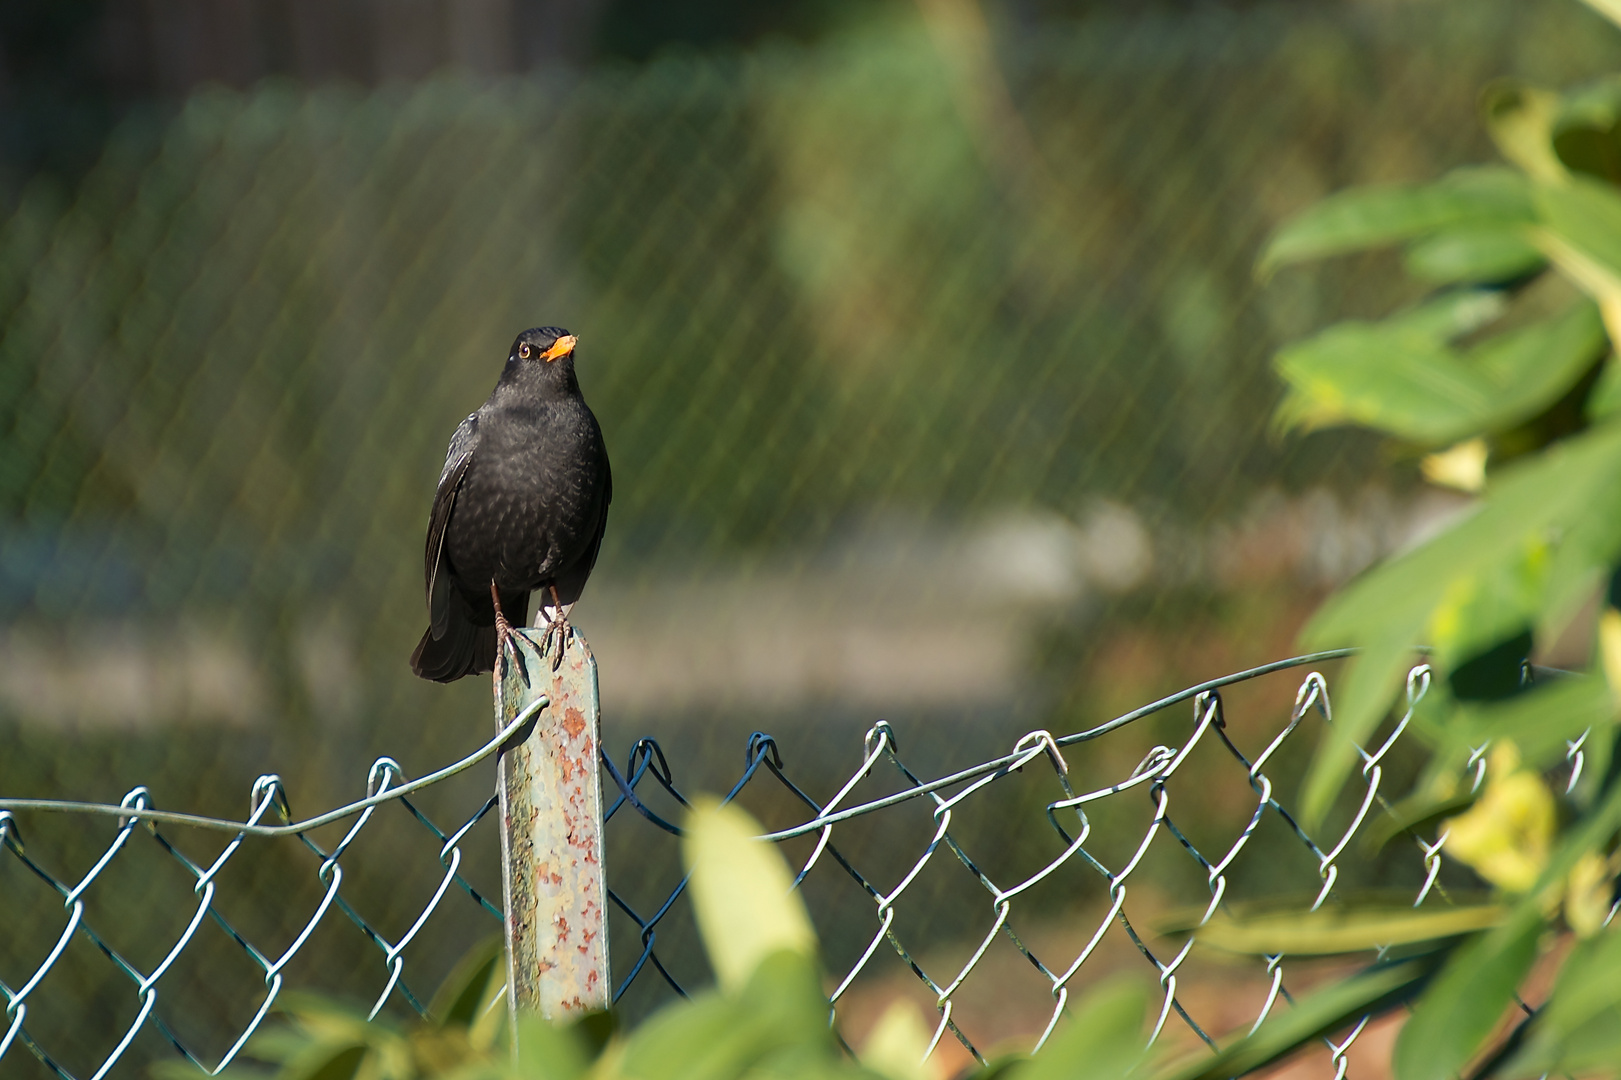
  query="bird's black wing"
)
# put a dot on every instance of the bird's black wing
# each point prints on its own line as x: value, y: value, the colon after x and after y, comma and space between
x: 457, y: 459
x: 602, y: 518
x: 590, y: 559
x: 571, y: 582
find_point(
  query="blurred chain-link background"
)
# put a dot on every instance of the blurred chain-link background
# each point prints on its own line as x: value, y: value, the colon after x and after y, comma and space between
x: 928, y: 351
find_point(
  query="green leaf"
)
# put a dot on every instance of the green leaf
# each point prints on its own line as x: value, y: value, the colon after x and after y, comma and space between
x: 779, y: 1014
x: 1540, y: 722
x: 1519, y: 119
x: 467, y: 987
x: 1327, y: 932
x: 594, y: 1030
x: 1605, y: 398
x: 1374, y: 216
x: 548, y: 1051
x: 1473, y: 254
x: 1413, y: 814
x: 276, y: 1043
x: 1397, y: 380
x: 1610, y: 9
x: 741, y: 892
x: 1529, y: 369
x: 1582, y: 236
x: 1451, y: 314
x: 1104, y: 1038
x: 326, y: 1020
x: 326, y: 1062
x: 1596, y: 104
x: 1462, y: 1006
x: 1589, y: 151
x: 1591, y: 832
x: 1398, y: 377
x: 1333, y: 1008
x: 1466, y: 990
x: 1546, y: 529
x: 1585, y: 214
x: 895, y: 1046
x: 1000, y: 1067
x: 1579, y: 1029
x: 709, y: 1036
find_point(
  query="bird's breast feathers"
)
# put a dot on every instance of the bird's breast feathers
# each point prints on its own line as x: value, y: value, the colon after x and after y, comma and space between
x: 529, y: 505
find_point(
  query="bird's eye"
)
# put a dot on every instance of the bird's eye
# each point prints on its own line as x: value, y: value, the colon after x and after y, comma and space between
x: 524, y: 350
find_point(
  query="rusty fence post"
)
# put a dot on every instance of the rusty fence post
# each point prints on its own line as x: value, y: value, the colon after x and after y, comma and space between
x: 551, y: 835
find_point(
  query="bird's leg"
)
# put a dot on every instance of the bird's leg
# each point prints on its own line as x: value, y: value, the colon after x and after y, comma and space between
x: 503, y: 638
x: 557, y: 624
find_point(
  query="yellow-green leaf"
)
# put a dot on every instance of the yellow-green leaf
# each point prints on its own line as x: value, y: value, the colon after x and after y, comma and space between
x: 1579, y: 1029
x: 548, y: 1051
x: 470, y: 984
x: 1103, y: 1039
x: 1610, y: 9
x: 1476, y: 253
x: 1333, y: 1008
x: 897, y: 1042
x: 1388, y: 378
x: 1505, y: 837
x: 1563, y: 507
x: 741, y: 893
x: 1331, y: 931
x: 1414, y: 813
x: 1581, y: 234
x: 1401, y: 377
x: 1539, y: 722
x: 1519, y: 119
x: 1464, y: 1003
x: 1374, y: 216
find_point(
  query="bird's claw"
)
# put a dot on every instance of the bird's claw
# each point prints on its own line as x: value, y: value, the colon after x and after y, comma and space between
x: 511, y: 643
x: 504, y: 640
x: 559, y: 625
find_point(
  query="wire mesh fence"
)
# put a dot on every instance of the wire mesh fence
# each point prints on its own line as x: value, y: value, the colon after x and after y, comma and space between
x: 1099, y: 831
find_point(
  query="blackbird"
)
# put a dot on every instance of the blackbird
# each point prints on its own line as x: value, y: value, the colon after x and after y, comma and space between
x: 521, y: 506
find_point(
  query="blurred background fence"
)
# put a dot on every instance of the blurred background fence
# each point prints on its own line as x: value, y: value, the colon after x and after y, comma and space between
x: 926, y: 336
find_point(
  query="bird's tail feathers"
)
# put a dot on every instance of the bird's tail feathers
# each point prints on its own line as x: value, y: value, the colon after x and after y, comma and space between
x: 464, y: 648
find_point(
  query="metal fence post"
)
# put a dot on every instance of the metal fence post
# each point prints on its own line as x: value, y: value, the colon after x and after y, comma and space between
x: 551, y: 835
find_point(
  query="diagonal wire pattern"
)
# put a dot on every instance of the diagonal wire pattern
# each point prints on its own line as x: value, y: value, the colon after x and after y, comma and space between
x: 1077, y: 821
x: 1072, y: 826
x: 268, y: 794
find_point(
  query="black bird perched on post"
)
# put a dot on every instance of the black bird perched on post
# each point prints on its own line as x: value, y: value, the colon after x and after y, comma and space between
x: 521, y: 507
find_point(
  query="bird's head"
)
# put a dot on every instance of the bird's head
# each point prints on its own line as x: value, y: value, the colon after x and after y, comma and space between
x: 544, y: 355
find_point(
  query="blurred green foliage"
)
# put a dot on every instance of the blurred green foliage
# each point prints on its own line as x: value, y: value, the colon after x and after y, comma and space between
x: 1516, y: 358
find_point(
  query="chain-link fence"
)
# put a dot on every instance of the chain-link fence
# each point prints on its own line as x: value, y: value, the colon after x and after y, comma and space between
x: 1090, y: 832
x: 987, y: 893
x: 883, y: 390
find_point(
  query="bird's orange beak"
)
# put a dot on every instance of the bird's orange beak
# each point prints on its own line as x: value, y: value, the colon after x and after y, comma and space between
x: 561, y: 347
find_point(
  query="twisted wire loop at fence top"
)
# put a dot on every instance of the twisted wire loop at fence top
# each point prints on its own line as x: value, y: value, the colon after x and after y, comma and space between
x: 1068, y: 817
